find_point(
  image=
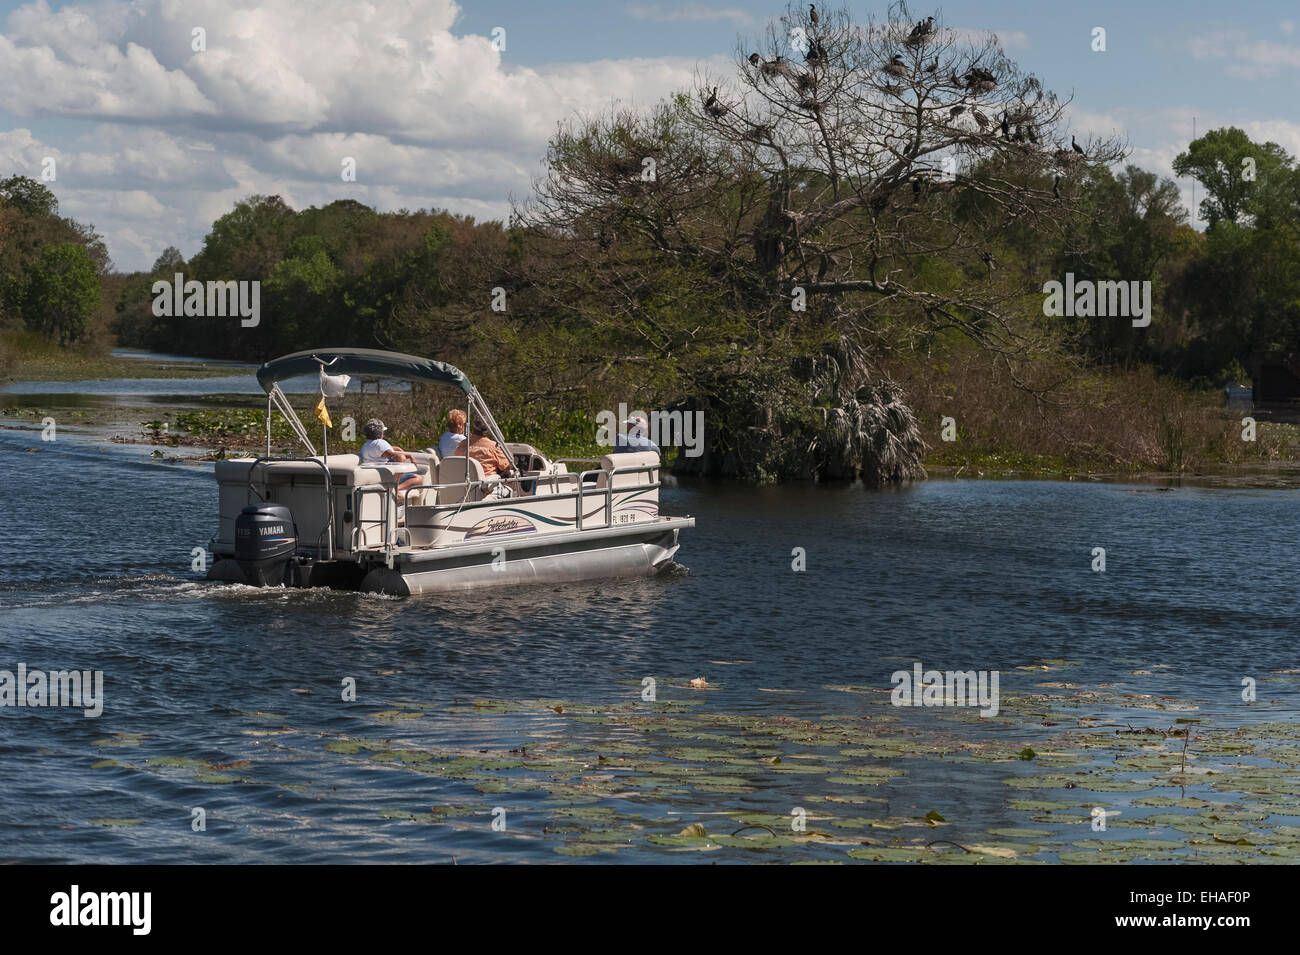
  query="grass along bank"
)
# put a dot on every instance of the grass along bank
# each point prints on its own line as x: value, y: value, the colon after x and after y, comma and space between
x: 1051, y: 421
x: 27, y: 356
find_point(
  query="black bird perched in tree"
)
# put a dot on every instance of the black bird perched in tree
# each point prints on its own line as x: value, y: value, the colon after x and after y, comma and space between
x: 713, y: 107
x: 920, y: 32
x: 895, y: 66
x: 1019, y: 137
x: 1056, y: 187
x: 980, y: 80
x: 916, y: 187
x: 1075, y: 146
x: 956, y: 111
x: 1033, y: 136
x: 812, y: 14
x: 770, y: 68
x: 1006, y: 127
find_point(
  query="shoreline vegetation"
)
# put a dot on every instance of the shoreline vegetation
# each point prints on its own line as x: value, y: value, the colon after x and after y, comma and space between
x: 1199, y: 440
x: 836, y: 306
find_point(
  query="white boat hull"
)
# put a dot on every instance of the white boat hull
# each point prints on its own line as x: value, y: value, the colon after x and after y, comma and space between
x: 633, y: 550
x: 563, y: 558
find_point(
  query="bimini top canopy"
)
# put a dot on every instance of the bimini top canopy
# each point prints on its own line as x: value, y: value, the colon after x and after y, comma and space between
x: 360, y: 361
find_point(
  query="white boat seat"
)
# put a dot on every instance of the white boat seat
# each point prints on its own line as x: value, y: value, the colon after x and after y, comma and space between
x: 452, y: 471
x: 629, y: 459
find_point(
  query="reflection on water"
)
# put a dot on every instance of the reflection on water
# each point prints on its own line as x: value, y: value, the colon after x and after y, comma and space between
x: 137, y: 387
x: 164, y: 387
x: 164, y: 358
x: 1198, y: 593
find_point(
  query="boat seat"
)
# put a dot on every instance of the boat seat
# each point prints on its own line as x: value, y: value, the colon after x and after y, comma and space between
x: 347, y: 470
x: 452, y: 471
x: 629, y: 459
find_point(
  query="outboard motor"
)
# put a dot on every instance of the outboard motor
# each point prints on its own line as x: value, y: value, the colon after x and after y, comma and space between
x: 265, y: 540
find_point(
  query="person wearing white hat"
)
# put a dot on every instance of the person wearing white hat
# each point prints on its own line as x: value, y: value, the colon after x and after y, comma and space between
x: 377, y: 452
x: 636, y: 439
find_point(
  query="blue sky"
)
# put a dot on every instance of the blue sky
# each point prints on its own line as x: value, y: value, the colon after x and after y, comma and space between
x: 152, y: 142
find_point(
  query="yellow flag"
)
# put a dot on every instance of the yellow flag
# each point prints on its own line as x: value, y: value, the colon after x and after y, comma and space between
x: 323, y: 413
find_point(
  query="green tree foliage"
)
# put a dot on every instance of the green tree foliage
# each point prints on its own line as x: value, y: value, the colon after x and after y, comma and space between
x: 169, y: 261
x: 1242, y: 290
x: 28, y: 197
x: 342, y: 273
x: 1134, y: 224
x: 30, y: 228
x: 1229, y: 166
x: 62, y: 291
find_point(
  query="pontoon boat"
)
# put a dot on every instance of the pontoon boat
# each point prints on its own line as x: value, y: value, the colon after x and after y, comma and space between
x: 328, y: 520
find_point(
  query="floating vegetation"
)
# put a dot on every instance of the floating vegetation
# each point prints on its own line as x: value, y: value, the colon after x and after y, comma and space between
x: 1079, y: 773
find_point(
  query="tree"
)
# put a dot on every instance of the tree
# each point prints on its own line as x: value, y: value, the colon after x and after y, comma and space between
x: 868, y: 172
x: 170, y: 262
x: 1243, y: 290
x: 246, y: 242
x: 28, y: 196
x: 62, y: 292
x: 1222, y: 162
x: 1132, y: 226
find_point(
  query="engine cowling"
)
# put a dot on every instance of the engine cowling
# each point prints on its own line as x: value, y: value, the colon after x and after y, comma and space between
x: 265, y: 540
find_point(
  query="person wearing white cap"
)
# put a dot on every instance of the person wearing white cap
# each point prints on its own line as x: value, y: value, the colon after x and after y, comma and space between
x: 636, y: 439
x: 377, y: 452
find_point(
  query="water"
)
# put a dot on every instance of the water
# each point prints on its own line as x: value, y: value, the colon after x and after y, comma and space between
x: 168, y: 387
x: 95, y: 551
x: 185, y: 389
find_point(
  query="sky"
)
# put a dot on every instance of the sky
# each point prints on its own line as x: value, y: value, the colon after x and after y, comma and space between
x: 152, y: 140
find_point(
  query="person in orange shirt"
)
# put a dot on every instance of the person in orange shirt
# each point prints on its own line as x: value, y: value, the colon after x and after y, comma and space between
x: 486, y: 452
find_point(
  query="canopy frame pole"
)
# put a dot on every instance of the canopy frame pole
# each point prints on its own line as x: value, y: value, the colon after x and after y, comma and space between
x: 285, y: 409
x: 475, y: 399
x: 469, y: 422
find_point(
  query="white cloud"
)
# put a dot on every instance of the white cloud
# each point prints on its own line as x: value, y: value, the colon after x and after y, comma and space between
x: 690, y: 12
x: 283, y: 91
x: 1010, y: 39
x: 1250, y: 58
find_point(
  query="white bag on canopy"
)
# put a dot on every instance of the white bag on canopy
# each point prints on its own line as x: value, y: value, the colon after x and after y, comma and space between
x: 333, y: 386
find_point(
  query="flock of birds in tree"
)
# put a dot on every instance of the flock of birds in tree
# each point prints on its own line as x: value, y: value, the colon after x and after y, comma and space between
x: 976, y: 80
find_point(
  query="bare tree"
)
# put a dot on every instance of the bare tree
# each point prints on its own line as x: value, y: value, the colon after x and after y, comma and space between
x: 841, y: 161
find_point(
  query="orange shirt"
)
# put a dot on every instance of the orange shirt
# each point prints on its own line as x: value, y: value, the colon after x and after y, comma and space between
x: 485, y: 451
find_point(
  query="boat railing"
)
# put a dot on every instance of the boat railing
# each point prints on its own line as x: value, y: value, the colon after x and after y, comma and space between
x: 328, y: 530
x: 386, y: 496
x: 580, y: 494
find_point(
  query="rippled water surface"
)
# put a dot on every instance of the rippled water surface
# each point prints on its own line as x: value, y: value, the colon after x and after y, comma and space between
x: 229, y: 698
